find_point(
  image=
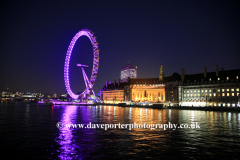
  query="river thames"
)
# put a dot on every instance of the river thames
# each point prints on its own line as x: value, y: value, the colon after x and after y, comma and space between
x: 32, y: 131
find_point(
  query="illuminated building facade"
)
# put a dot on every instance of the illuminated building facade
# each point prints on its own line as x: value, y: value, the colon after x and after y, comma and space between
x: 135, y: 90
x: 112, y: 92
x: 128, y: 71
x: 153, y: 90
x: 220, y: 88
x: 144, y: 90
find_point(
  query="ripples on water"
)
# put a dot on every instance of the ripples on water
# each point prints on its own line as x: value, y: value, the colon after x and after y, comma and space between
x: 29, y: 131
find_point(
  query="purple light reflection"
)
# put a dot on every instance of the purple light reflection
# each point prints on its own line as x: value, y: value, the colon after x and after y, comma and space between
x: 69, y: 103
x: 76, y: 143
x: 66, y: 139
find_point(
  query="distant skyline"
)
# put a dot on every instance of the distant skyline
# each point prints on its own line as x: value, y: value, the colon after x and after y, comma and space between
x: 35, y: 36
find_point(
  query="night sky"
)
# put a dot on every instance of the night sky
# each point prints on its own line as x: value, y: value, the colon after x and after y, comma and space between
x: 35, y: 36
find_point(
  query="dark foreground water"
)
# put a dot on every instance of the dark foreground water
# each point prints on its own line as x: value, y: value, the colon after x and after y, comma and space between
x: 29, y: 131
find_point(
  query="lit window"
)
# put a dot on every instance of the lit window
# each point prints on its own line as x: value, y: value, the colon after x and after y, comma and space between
x: 237, y: 89
x: 236, y: 77
x: 188, y: 95
x: 210, y: 94
x: 228, y: 104
x: 227, y: 94
x: 227, y: 90
x: 214, y: 94
x: 198, y: 91
x: 232, y: 90
x: 184, y: 91
x: 209, y: 79
x: 202, y: 90
x: 198, y: 95
x: 184, y: 95
x: 191, y: 91
x: 222, y: 90
x: 219, y: 79
x: 195, y: 91
x: 187, y: 91
x: 205, y: 90
x: 210, y: 90
x: 223, y: 94
x: 227, y: 78
x: 223, y: 104
x: 232, y: 94
x: 218, y: 90
x: 195, y: 95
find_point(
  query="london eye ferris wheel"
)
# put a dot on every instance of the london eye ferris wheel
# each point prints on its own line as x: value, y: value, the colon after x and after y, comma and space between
x: 88, y: 82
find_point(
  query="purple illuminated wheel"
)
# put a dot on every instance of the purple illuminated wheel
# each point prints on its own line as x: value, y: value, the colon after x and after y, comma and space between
x: 89, y: 83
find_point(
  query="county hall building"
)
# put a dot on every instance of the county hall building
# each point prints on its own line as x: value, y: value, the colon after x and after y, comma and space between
x: 141, y: 89
x: 219, y: 88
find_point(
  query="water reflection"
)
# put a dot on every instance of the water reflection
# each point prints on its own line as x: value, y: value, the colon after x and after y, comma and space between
x: 30, y: 132
x: 66, y: 139
x: 216, y: 128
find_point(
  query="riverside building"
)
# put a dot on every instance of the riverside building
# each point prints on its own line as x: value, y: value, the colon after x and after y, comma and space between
x: 113, y: 92
x: 219, y: 88
x: 141, y: 89
x: 135, y: 90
